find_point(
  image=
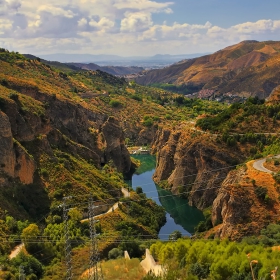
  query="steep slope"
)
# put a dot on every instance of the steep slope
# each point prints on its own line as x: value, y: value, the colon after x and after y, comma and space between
x: 246, y: 202
x: 202, y: 165
x: 47, y: 130
x: 249, y: 67
x: 192, y: 164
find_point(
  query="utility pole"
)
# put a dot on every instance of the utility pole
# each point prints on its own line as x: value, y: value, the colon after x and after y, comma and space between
x: 68, y: 259
x: 21, y: 273
x: 95, y: 271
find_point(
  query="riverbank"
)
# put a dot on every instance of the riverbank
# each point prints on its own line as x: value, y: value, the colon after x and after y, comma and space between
x: 179, y: 215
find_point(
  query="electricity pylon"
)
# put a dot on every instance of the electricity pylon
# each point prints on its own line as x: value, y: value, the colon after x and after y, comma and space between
x: 68, y: 259
x: 21, y: 273
x: 95, y: 271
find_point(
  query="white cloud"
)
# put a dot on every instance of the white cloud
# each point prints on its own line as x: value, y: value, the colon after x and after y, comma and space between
x: 103, y: 24
x: 56, y: 11
x: 135, y: 22
x: 115, y: 26
x: 143, y: 5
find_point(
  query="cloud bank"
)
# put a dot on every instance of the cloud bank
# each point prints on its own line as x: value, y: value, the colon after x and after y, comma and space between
x: 123, y: 27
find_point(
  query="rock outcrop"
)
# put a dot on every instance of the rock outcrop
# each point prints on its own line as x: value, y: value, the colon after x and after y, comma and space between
x: 238, y: 210
x: 192, y: 164
x: 7, y: 153
x: 115, y: 148
x: 14, y: 159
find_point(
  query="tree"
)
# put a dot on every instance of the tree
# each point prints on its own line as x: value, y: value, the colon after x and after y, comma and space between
x: 176, y: 234
x: 138, y: 190
x: 75, y: 215
x: 29, y: 235
x: 115, y: 253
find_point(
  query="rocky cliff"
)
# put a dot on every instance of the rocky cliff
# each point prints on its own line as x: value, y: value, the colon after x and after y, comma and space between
x: 192, y: 164
x: 246, y: 202
x: 203, y: 169
x: 41, y: 136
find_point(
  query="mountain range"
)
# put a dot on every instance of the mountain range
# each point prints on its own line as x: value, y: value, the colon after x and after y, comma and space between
x: 87, y: 58
x: 113, y: 70
x: 247, y: 68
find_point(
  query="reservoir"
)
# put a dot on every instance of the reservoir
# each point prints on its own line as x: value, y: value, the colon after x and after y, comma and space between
x: 179, y: 215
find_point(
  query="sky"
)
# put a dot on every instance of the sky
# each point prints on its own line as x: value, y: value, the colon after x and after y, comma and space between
x: 134, y: 27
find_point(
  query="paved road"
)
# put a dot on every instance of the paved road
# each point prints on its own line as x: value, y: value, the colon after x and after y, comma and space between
x: 258, y: 164
x: 114, y: 207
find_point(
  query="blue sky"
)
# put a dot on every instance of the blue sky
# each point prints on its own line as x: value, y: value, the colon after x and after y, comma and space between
x: 221, y: 12
x: 135, y: 27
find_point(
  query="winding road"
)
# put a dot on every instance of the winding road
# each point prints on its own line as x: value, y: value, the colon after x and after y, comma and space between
x: 258, y: 164
x: 114, y: 207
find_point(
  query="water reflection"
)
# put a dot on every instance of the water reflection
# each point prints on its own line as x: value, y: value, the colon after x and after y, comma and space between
x: 179, y: 215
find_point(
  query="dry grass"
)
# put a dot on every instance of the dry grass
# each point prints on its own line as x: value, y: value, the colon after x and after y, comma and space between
x: 120, y: 269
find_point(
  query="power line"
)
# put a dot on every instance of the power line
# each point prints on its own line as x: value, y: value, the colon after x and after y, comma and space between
x: 67, y: 240
x: 94, y: 272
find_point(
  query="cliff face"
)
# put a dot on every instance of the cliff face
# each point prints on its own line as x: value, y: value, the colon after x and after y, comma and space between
x: 14, y: 160
x: 238, y: 209
x: 197, y: 166
x: 68, y: 126
x: 7, y: 153
x: 192, y: 164
x: 115, y: 147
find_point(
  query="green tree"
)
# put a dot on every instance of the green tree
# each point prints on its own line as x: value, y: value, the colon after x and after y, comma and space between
x: 29, y: 236
x: 176, y: 234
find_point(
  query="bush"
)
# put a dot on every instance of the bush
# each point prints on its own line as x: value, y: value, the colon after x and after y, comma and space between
x: 148, y: 122
x: 176, y: 234
x: 13, y: 96
x: 115, y: 253
x: 261, y: 192
x: 138, y: 190
x: 136, y: 97
x: 115, y: 103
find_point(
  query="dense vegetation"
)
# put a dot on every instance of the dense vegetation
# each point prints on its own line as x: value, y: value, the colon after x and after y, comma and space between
x: 183, y: 89
x: 215, y: 259
x: 253, y: 122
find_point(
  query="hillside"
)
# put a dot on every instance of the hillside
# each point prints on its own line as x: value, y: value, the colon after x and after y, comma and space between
x: 249, y: 68
x: 71, y: 66
x: 54, y: 144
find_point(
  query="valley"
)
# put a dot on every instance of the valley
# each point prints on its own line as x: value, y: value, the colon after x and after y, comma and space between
x: 64, y: 137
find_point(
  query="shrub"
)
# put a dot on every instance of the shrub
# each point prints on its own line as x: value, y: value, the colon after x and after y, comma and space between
x: 44, y: 172
x: 138, y: 190
x: 148, y: 122
x: 136, y: 97
x: 115, y: 103
x: 261, y: 192
x: 13, y: 96
x: 115, y: 253
x: 176, y: 234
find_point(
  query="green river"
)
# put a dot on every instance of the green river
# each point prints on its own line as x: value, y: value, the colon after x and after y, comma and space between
x: 179, y: 215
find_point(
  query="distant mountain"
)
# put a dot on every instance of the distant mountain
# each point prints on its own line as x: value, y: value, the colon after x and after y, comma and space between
x: 113, y: 70
x: 118, y: 60
x: 250, y: 68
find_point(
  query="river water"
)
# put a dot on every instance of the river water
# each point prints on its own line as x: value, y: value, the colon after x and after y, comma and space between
x: 179, y: 215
